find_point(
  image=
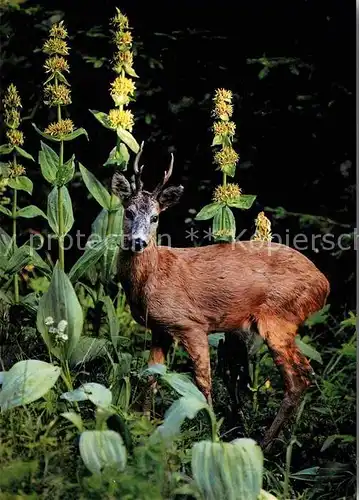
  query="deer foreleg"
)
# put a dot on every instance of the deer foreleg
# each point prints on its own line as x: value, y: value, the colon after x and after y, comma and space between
x: 161, y: 343
x: 196, y: 344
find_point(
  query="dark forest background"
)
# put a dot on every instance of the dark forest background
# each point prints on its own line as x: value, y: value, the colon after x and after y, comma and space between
x: 291, y: 67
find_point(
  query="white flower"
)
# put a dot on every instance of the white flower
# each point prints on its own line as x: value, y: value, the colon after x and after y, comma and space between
x: 62, y: 325
x: 49, y: 321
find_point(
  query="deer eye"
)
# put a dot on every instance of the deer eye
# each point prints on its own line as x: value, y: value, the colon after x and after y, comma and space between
x: 129, y: 214
x: 154, y: 218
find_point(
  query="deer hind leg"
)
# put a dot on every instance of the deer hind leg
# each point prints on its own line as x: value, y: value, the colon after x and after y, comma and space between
x: 280, y: 337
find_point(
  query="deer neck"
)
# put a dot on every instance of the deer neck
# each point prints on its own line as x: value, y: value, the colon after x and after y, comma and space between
x: 136, y: 268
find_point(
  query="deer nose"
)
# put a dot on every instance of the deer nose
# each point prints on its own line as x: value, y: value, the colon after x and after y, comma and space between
x: 139, y: 244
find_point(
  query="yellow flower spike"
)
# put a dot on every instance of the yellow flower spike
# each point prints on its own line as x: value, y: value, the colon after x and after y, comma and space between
x: 120, y: 20
x: 121, y: 118
x: 56, y: 95
x: 223, y: 110
x: 122, y: 59
x: 12, y: 117
x: 223, y: 95
x: 56, y: 64
x: 123, y: 38
x: 122, y: 86
x: 12, y: 98
x: 224, y: 128
x: 223, y: 232
x: 58, y: 30
x: 226, y: 194
x: 15, y: 169
x: 263, y: 228
x: 56, y: 46
x: 58, y: 129
x: 15, y: 137
x: 226, y: 157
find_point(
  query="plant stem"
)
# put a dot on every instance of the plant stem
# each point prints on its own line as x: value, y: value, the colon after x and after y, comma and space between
x: 60, y: 197
x: 14, y: 236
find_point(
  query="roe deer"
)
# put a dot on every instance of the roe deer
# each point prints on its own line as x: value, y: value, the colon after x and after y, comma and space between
x: 187, y: 293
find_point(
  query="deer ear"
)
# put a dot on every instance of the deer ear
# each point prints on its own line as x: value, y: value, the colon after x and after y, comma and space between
x: 169, y: 196
x: 120, y: 186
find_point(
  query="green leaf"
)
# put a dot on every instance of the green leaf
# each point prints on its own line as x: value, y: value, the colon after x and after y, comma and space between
x: 76, y: 133
x: 228, y: 470
x: 229, y: 169
x: 6, y: 245
x: 27, y: 381
x: 217, y: 140
x: 264, y: 495
x: 20, y: 258
x: 46, y: 136
x: 98, y: 394
x: 209, y: 211
x: 113, y: 322
x: 24, y: 153
x: 263, y: 73
x: 60, y: 302
x: 66, y: 172
x: 87, y: 349
x: 319, y: 317
x: 74, y: 418
x: 53, y: 210
x: 29, y: 212
x: 182, y: 384
x: 97, y: 190
x: 128, y: 139
x: 5, y: 211
x: 183, y: 408
x: 224, y: 221
x: 21, y: 183
x: 5, y: 149
x: 101, y: 449
x: 308, y: 351
x: 130, y: 71
x: 93, y: 254
x: 244, y: 201
x: 49, y: 163
x: 119, y: 156
x: 102, y: 118
x: 344, y: 438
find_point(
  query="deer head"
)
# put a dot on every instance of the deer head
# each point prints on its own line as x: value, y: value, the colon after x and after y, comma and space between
x: 142, y: 208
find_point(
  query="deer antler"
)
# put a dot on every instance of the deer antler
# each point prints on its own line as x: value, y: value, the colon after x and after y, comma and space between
x: 136, y: 183
x: 167, y: 175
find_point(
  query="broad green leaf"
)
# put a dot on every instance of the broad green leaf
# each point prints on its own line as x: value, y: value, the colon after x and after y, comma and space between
x: 60, y: 302
x: 97, y: 190
x: 98, y: 394
x: 182, y: 384
x: 19, y: 259
x: 182, y: 408
x: 124, y: 394
x: 5, y: 149
x: 217, y: 140
x: 6, y: 246
x: 128, y: 139
x: 319, y: 317
x: 113, y: 322
x: 46, y: 136
x: 111, y: 256
x: 53, y: 210
x: 102, y: 118
x: 99, y: 225
x: 308, y: 351
x: 27, y: 381
x: 229, y: 169
x: 155, y: 369
x: 92, y: 254
x: 224, y: 221
x: 66, y: 172
x: 228, y: 470
x: 30, y: 302
x: 209, y: 211
x: 30, y: 211
x: 24, y: 153
x: 49, y: 163
x: 21, y: 183
x: 344, y: 438
x: 74, y: 418
x: 244, y: 201
x: 87, y: 349
x: 101, y: 449
x: 119, y: 156
x: 5, y: 298
x: 5, y: 211
x: 76, y: 133
x: 130, y: 71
